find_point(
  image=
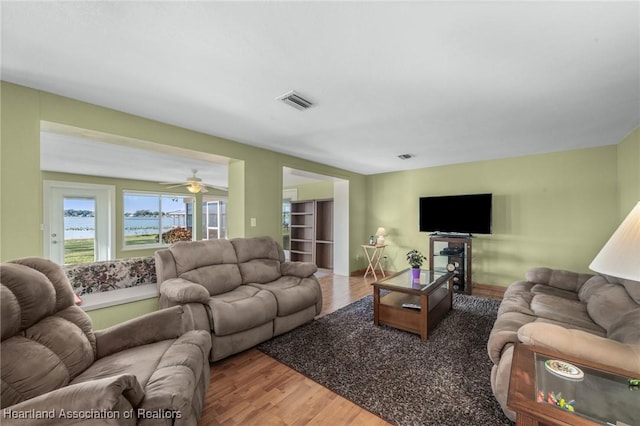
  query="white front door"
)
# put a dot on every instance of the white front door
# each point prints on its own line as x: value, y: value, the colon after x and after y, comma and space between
x: 79, y: 222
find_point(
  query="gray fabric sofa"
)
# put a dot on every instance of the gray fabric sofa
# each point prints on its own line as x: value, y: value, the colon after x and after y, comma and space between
x: 56, y: 370
x: 592, y: 317
x: 241, y: 290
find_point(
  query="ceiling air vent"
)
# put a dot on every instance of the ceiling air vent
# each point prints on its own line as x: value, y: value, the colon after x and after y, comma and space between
x: 405, y: 156
x: 295, y: 100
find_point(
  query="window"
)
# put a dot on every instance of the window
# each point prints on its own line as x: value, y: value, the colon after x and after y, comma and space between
x: 214, y: 219
x: 157, y: 219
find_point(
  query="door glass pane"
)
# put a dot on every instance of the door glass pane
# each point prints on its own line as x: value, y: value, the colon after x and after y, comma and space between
x: 286, y: 224
x: 79, y: 230
x: 214, y: 219
x: 222, y: 225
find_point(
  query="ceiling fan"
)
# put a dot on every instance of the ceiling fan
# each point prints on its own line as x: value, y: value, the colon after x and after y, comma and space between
x: 194, y: 184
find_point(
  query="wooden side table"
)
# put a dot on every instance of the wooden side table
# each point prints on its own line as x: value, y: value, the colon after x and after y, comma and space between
x: 374, y: 256
x: 602, y: 396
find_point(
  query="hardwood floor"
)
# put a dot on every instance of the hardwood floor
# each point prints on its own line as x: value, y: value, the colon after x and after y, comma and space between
x: 251, y: 388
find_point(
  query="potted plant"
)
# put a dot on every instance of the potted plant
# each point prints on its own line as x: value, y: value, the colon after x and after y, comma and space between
x: 415, y: 259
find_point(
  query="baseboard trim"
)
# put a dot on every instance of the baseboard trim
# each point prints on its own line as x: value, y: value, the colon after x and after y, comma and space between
x: 488, y: 290
x: 360, y: 273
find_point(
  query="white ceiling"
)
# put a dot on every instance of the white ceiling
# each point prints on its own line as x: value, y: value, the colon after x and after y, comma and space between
x: 448, y: 82
x: 70, y: 150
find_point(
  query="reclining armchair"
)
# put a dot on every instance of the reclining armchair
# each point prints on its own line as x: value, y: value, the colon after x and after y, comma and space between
x: 56, y: 370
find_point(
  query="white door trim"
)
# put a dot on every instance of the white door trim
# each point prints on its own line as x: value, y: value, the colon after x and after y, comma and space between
x: 106, y: 202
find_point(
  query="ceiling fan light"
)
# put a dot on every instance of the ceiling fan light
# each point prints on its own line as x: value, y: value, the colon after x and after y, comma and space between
x: 194, y: 188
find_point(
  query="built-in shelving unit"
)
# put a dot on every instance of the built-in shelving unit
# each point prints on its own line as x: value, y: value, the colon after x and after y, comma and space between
x: 312, y: 232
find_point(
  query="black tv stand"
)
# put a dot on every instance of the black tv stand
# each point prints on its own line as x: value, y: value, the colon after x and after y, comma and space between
x: 454, y: 250
x: 451, y: 235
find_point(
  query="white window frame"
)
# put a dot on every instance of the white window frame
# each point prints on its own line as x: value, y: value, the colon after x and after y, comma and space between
x: 160, y: 244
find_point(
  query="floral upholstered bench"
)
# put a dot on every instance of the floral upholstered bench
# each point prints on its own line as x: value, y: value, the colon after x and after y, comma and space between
x: 113, y: 282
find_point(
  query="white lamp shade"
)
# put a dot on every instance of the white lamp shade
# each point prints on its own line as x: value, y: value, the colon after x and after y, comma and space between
x: 381, y: 232
x: 620, y: 256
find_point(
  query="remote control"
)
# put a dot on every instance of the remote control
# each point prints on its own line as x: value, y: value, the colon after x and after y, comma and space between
x: 411, y: 306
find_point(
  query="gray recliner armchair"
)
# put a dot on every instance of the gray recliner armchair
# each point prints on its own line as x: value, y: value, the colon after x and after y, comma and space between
x: 56, y: 370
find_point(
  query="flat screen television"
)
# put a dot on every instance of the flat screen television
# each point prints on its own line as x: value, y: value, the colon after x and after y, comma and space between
x: 456, y: 214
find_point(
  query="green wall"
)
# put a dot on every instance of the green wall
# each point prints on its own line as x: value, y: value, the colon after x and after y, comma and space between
x: 106, y: 317
x: 255, y: 178
x: 255, y: 184
x: 629, y: 172
x: 314, y: 190
x: 553, y: 210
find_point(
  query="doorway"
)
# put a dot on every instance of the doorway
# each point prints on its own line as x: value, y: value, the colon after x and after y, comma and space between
x: 311, y: 190
x: 78, y: 222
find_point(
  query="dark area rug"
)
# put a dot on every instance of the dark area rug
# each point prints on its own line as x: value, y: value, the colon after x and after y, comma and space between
x: 394, y: 374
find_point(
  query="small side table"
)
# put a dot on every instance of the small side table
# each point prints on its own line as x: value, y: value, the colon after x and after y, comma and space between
x: 374, y: 256
x: 602, y: 396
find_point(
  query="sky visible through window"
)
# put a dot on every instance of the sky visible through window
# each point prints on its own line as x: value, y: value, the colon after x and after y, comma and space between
x: 133, y: 204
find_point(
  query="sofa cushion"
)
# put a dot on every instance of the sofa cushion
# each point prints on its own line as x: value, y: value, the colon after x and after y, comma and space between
x: 591, y: 328
x: 190, y: 255
x: 517, y: 298
x: 292, y: 293
x: 504, y: 332
x: 259, y: 259
x: 241, y: 309
x: 140, y: 361
x: 22, y: 306
x: 257, y: 248
x: 561, y: 310
x: 610, y: 303
x: 554, y: 291
x: 633, y: 288
x: 592, y: 286
x: 565, y: 280
x: 216, y: 279
x: 260, y: 271
x: 55, y: 341
x: 173, y: 383
x: 627, y: 328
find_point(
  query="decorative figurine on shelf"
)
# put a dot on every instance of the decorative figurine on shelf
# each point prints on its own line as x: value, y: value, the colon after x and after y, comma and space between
x: 415, y: 259
x: 372, y: 240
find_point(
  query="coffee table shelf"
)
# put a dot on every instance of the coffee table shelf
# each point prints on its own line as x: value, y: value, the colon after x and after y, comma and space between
x: 432, y: 292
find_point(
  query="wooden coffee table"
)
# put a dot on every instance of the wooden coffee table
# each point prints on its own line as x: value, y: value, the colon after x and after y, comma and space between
x: 432, y: 295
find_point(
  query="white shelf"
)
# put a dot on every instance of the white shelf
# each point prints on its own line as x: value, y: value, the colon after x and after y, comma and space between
x: 105, y: 299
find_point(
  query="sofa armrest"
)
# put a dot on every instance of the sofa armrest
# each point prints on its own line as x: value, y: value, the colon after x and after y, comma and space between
x: 97, y: 401
x: 149, y: 328
x: 559, y: 278
x: 298, y: 269
x: 582, y: 345
x: 181, y: 291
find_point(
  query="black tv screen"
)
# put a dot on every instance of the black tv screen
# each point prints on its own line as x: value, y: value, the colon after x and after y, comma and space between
x: 464, y: 214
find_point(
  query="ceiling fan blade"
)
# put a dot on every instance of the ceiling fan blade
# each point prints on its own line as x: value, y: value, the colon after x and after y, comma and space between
x: 219, y: 188
x: 203, y: 188
x: 176, y: 185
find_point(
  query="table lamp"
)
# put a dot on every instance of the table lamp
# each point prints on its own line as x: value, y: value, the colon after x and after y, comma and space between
x: 380, y: 233
x: 620, y: 256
